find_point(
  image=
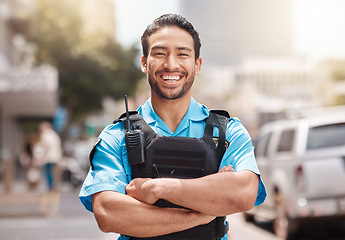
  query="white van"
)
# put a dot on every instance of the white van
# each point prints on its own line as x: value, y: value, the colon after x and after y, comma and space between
x: 302, y: 162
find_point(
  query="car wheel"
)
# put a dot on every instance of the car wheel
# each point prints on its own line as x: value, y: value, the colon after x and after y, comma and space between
x: 283, y: 226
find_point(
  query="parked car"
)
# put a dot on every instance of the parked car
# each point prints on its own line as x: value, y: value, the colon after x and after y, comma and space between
x: 302, y: 162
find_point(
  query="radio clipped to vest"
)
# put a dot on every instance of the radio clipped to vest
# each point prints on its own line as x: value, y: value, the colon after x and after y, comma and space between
x: 135, y: 141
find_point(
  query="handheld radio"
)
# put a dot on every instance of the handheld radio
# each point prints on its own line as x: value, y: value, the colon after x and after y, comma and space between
x: 135, y: 141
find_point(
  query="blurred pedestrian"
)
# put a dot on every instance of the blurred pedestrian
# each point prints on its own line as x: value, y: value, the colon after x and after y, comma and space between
x: 32, y: 160
x: 51, y: 148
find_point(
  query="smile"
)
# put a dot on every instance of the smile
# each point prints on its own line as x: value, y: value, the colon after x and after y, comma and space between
x: 170, y: 78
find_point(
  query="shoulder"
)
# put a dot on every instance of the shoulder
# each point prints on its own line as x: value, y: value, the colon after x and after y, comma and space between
x: 108, y: 147
x: 113, y: 133
x: 236, y: 130
x: 235, y: 122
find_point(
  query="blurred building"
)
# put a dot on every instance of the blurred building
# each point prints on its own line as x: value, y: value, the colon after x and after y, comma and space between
x: 267, y: 87
x: 248, y: 56
x: 27, y: 93
x: 233, y: 30
x: 261, y: 89
x: 240, y: 44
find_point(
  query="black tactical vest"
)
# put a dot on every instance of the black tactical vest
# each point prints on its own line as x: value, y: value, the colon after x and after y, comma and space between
x: 179, y: 157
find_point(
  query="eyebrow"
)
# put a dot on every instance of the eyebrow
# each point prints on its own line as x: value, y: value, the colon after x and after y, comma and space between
x: 178, y: 48
x: 185, y: 48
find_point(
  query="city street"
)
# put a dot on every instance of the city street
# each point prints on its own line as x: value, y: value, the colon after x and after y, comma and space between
x: 19, y: 219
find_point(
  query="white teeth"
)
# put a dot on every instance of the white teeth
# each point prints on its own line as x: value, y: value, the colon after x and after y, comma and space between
x: 170, y: 78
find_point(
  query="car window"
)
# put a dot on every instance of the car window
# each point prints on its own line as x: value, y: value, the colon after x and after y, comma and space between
x: 332, y: 135
x: 286, y: 141
x: 262, y: 145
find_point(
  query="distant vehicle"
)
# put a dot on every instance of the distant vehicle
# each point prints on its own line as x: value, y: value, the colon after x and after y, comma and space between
x: 302, y: 162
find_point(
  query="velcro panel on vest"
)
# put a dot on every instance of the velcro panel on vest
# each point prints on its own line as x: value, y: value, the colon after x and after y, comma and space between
x: 179, y: 157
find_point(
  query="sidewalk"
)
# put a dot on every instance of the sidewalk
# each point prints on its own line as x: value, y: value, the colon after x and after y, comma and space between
x: 21, y: 201
x: 20, y: 217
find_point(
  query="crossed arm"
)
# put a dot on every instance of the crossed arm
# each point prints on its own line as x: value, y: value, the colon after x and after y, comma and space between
x: 219, y: 194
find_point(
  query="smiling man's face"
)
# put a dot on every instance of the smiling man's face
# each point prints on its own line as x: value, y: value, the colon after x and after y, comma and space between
x: 170, y: 65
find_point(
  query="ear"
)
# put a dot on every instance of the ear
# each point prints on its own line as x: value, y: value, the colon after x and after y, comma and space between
x: 143, y: 64
x: 198, y: 63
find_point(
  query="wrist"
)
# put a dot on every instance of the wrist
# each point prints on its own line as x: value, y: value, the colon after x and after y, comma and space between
x: 163, y: 188
x: 155, y: 187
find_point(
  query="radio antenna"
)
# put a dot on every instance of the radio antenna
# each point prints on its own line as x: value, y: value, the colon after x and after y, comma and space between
x: 127, y: 114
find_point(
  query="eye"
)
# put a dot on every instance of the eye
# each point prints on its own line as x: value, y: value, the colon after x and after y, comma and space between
x: 159, y: 54
x: 183, y: 54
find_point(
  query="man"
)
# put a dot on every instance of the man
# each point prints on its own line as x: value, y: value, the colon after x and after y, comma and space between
x: 124, y: 205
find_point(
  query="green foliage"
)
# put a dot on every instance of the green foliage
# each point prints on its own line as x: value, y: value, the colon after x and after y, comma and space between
x: 89, y: 68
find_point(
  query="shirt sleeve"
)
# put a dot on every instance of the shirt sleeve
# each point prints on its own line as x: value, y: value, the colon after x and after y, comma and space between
x: 110, y: 168
x: 240, y: 154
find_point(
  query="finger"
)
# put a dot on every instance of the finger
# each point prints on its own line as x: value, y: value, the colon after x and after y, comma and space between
x: 223, y: 169
x: 230, y: 168
x: 226, y: 169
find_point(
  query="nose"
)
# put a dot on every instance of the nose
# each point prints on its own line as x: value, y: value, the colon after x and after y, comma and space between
x: 171, y: 63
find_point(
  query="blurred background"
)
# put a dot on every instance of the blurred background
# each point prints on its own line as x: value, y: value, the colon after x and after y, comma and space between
x: 71, y: 63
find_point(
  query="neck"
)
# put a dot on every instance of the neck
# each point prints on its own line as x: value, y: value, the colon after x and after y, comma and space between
x: 171, y: 111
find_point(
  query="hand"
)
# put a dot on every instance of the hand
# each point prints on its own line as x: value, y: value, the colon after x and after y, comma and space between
x: 226, y: 169
x: 142, y: 190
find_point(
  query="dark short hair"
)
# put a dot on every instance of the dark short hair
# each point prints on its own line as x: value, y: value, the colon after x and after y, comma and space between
x: 170, y: 20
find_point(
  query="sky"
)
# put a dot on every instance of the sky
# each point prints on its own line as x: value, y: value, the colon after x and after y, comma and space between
x: 319, y: 25
x: 320, y: 28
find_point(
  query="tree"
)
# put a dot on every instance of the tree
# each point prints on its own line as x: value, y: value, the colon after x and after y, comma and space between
x: 87, y: 71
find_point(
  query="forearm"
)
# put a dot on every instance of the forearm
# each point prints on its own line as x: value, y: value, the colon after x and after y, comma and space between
x: 116, y: 212
x: 217, y: 194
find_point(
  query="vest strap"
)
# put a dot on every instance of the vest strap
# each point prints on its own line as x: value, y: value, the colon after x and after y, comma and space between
x: 219, y: 119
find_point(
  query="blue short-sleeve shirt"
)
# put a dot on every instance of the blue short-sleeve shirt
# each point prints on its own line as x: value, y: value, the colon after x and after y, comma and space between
x: 111, y: 170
